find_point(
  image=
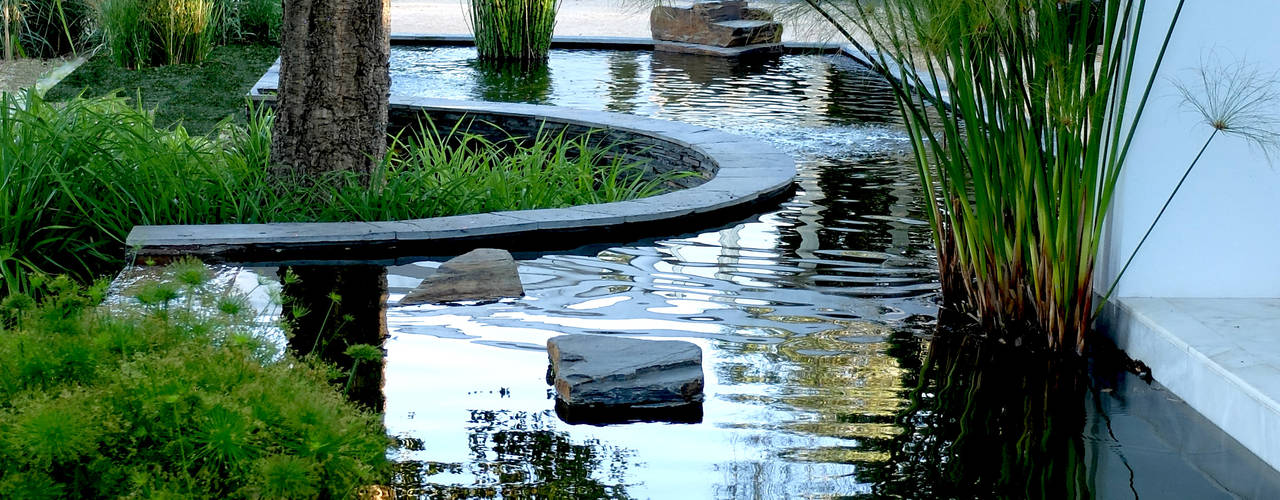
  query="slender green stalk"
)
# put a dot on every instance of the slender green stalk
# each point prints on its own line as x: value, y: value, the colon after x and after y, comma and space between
x: 1022, y: 159
x: 1116, y: 282
x: 513, y: 30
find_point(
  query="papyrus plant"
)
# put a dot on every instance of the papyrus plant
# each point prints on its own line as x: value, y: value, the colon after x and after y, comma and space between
x: 513, y: 30
x: 1020, y: 114
x: 1234, y: 99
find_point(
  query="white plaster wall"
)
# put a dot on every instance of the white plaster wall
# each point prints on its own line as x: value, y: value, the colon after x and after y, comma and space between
x: 1221, y: 235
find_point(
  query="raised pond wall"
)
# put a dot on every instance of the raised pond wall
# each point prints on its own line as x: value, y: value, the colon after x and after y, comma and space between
x: 733, y: 175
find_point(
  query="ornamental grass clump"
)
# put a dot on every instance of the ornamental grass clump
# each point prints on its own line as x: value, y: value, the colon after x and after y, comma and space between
x: 76, y: 177
x: 1021, y: 159
x: 142, y: 33
x: 513, y: 30
x: 173, y: 393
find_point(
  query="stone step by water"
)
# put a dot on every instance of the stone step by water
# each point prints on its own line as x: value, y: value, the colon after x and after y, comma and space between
x: 606, y: 371
x: 481, y: 274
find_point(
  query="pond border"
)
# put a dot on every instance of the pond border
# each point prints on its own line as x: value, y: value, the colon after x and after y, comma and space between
x: 744, y: 173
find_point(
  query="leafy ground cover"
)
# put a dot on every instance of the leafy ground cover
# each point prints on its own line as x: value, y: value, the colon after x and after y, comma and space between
x: 172, y: 394
x: 197, y: 95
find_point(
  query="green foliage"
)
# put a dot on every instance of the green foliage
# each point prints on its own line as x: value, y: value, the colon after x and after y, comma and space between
x: 1023, y: 159
x: 251, y: 21
x: 149, y: 32
x: 515, y: 30
x: 76, y: 177
x: 50, y: 28
x: 170, y: 397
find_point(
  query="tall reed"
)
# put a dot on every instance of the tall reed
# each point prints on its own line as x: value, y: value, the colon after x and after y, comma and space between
x: 124, y: 31
x: 48, y: 28
x: 151, y: 32
x: 1022, y: 159
x: 513, y: 30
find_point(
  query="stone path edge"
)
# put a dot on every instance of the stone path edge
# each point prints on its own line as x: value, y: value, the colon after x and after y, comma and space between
x: 747, y: 172
x: 1155, y: 332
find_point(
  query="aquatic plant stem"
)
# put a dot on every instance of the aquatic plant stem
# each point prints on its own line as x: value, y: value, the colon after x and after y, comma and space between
x: 1116, y: 281
x: 351, y: 377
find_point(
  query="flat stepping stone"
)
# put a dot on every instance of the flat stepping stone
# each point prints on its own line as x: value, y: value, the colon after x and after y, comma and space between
x: 481, y: 274
x: 604, y: 371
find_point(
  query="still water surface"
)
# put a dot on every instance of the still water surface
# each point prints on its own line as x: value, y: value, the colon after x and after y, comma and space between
x: 816, y: 321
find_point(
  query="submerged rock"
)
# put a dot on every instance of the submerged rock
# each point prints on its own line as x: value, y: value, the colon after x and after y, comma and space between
x: 481, y: 274
x: 603, y: 371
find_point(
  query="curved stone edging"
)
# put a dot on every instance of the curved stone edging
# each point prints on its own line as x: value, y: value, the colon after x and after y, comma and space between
x: 744, y: 172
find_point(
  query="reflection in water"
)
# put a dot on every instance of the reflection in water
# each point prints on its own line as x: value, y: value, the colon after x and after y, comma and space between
x: 810, y: 317
x: 518, y: 455
x: 988, y: 419
x: 624, y: 84
x: 512, y: 81
x: 327, y: 309
x: 707, y: 70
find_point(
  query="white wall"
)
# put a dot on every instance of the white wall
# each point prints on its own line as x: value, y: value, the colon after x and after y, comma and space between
x: 1221, y: 235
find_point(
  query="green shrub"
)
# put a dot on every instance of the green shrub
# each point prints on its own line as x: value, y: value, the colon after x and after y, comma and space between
x: 172, y: 395
x: 75, y: 178
x: 518, y: 30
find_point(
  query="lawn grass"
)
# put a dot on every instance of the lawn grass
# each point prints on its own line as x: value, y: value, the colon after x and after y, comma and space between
x: 197, y: 95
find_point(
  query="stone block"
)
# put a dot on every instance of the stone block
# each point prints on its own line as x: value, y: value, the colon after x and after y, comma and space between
x: 609, y: 371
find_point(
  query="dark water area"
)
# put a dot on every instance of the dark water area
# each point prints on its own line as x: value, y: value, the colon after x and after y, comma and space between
x: 825, y: 374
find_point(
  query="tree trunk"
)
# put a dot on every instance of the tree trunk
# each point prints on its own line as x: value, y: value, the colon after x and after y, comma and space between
x: 331, y: 111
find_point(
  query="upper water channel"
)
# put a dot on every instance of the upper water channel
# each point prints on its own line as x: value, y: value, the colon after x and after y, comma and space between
x: 817, y: 321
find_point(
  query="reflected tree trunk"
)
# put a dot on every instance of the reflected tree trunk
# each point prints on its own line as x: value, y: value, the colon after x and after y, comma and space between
x: 328, y: 309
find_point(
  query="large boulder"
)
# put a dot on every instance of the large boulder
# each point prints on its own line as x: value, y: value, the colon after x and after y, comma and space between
x: 716, y: 24
x: 481, y: 274
x: 604, y: 371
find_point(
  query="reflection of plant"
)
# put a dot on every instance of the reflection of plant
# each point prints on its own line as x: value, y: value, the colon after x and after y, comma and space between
x: 1233, y: 100
x: 1022, y: 159
x: 988, y: 421
x: 513, y: 81
x: 341, y: 330
x: 520, y: 455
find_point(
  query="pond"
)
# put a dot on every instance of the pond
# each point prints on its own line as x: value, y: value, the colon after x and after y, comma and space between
x: 816, y: 321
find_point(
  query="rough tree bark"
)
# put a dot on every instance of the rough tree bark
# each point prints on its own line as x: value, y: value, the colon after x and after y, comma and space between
x: 331, y: 111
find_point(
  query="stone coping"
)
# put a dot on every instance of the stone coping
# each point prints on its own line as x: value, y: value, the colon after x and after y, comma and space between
x: 744, y: 172
x: 1220, y: 355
